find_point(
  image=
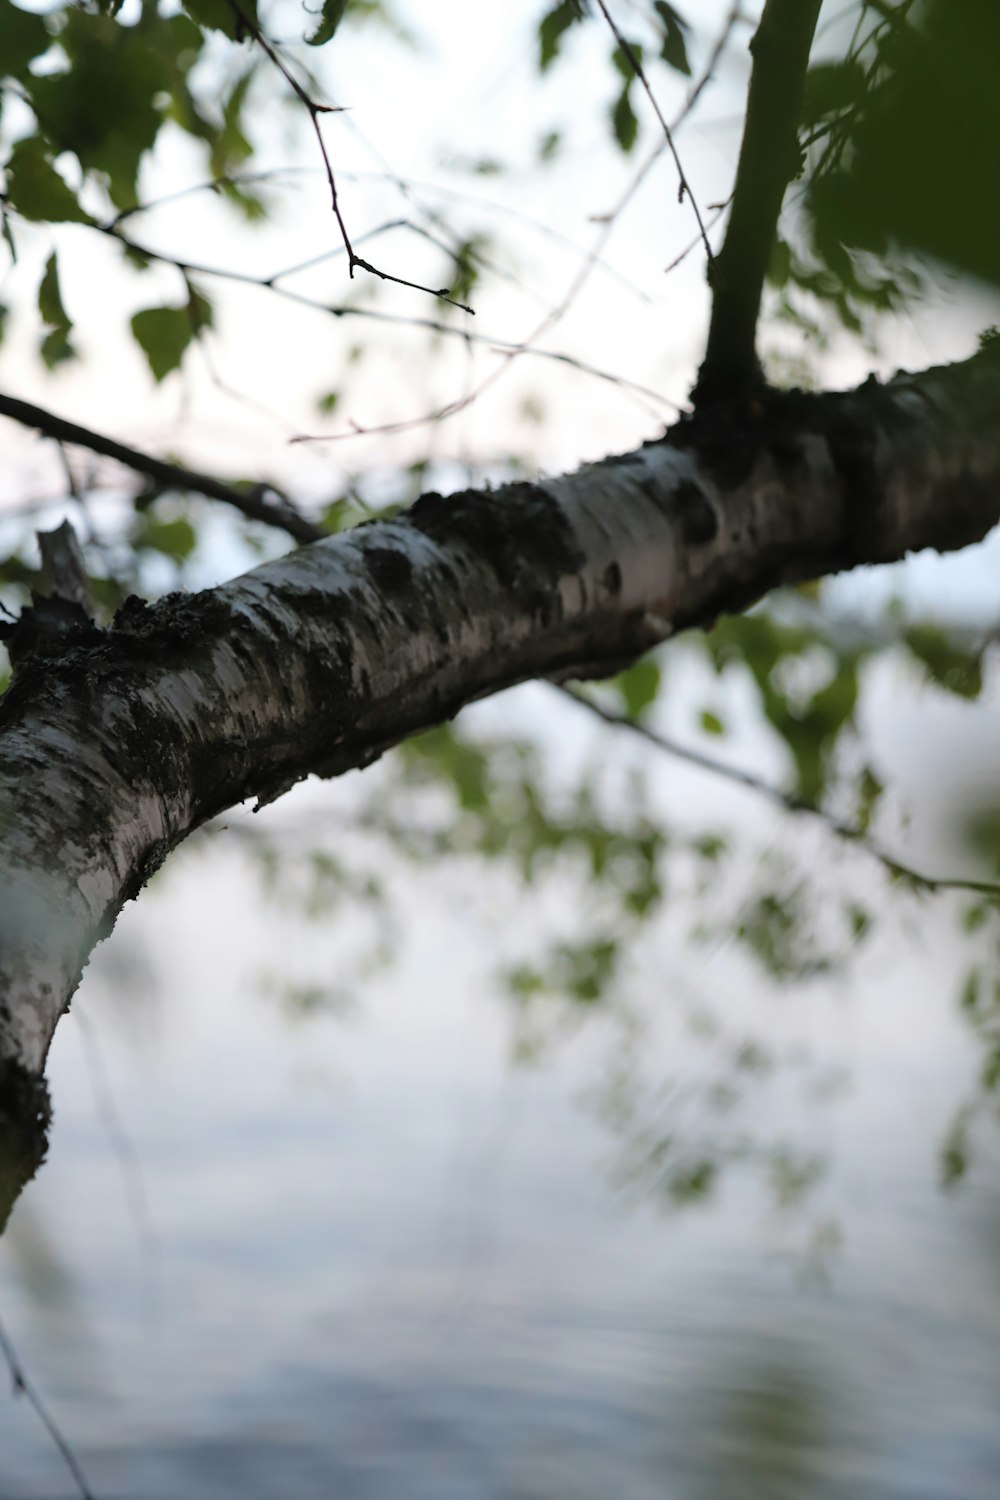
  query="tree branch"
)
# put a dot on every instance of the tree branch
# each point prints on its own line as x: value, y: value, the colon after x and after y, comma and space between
x: 115, y: 745
x: 769, y: 159
x: 851, y: 833
x: 260, y: 503
x: 24, y: 1386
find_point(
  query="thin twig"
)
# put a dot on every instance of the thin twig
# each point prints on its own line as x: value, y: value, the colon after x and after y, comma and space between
x: 606, y: 223
x: 693, y: 244
x: 272, y: 284
x: 133, y: 1181
x: 637, y: 68
x: 694, y: 94
x: 454, y: 251
x: 25, y: 1387
x: 315, y: 110
x: 849, y: 832
x: 409, y: 186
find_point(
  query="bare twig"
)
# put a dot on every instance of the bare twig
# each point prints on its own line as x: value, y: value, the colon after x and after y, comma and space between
x: 606, y: 223
x: 261, y: 503
x: 685, y: 187
x: 408, y: 186
x: 315, y: 110
x: 133, y: 1182
x: 851, y: 833
x: 24, y: 1387
x: 272, y: 283
x: 694, y: 94
x: 693, y: 244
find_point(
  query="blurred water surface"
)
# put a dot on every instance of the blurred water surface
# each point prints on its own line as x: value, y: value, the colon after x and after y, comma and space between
x: 381, y: 1263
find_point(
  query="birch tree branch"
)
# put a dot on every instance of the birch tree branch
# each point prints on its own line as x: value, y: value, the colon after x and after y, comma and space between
x: 117, y: 744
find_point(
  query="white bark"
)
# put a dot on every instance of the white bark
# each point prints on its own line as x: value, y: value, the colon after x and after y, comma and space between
x: 115, y: 745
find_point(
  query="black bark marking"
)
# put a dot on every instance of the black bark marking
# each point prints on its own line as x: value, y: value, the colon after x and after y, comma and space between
x: 519, y: 531
x: 390, y: 568
x: 699, y: 523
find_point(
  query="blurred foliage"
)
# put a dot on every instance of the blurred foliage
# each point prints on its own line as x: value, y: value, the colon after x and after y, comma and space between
x: 904, y: 132
x: 898, y: 138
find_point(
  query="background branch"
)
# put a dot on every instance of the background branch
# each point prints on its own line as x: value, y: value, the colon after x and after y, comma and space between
x: 685, y: 187
x: 259, y: 503
x: 851, y: 833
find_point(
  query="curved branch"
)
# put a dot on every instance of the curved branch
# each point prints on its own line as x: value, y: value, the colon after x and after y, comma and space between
x: 260, y: 503
x: 115, y: 745
x: 851, y: 833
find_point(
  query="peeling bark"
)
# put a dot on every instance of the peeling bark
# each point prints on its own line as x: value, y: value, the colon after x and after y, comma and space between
x: 117, y: 744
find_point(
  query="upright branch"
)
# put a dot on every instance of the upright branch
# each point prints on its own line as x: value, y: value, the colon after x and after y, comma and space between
x: 769, y: 159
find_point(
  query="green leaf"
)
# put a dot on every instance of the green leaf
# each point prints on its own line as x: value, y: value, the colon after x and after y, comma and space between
x: 23, y: 37
x: 553, y: 27
x: 870, y: 790
x: 692, y: 1182
x: 50, y: 303
x: 221, y: 15
x: 639, y: 686
x: 956, y: 1150
x: 330, y: 18
x: 952, y: 667
x: 831, y: 87
x: 230, y: 147
x: 163, y: 334
x: 549, y: 144
x: 8, y: 233
x: 108, y: 105
x: 780, y: 266
x: 991, y: 1070
x: 711, y: 723
x: 36, y: 190
x: 931, y: 100
x: 969, y: 1000
x: 200, y: 310
x: 673, y: 49
x: 624, y: 65
x: 55, y: 348
x: 624, y: 122
x: 975, y: 917
x: 175, y: 539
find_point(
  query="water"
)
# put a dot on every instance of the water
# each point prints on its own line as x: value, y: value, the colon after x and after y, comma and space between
x: 384, y: 1265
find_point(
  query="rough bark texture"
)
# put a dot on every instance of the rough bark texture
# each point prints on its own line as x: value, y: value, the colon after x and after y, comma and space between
x: 116, y: 744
